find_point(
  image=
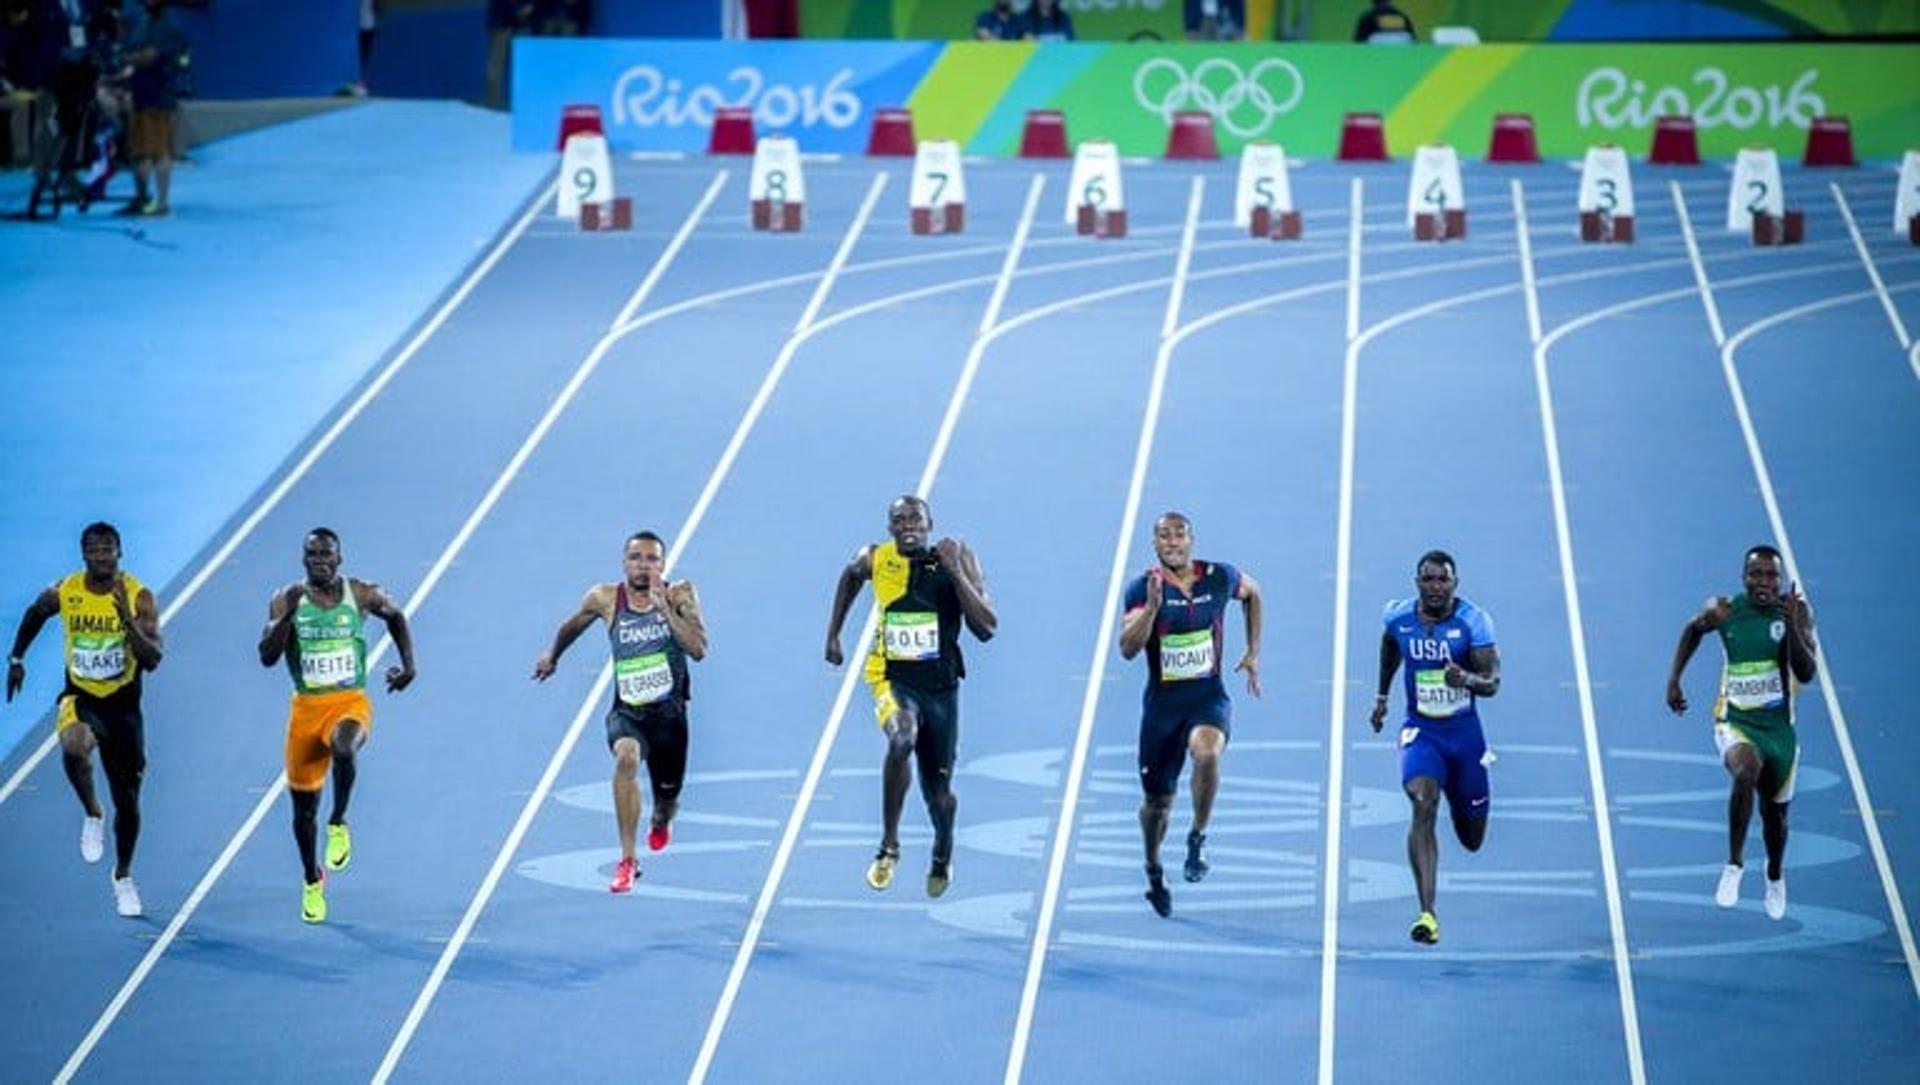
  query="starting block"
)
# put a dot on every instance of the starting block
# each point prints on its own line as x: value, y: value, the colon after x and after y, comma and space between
x: 1606, y: 195
x: 1676, y: 142
x: 1436, y: 201
x: 1096, y: 199
x: 776, y: 189
x: 1263, y: 196
x: 615, y: 214
x: 1906, y: 205
x: 586, y: 174
x: 1788, y: 228
x: 1755, y: 190
x: 1044, y: 134
x: 1363, y: 138
x: 937, y: 198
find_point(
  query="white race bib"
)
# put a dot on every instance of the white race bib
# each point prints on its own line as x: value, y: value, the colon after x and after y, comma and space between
x: 1752, y: 686
x: 644, y: 679
x: 98, y: 661
x: 1186, y: 656
x: 329, y: 666
x: 912, y: 635
x: 1434, y: 699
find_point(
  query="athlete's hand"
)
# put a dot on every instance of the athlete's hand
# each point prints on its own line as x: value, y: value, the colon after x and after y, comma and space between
x: 1676, y: 698
x: 833, y: 652
x: 399, y: 678
x: 1250, y: 664
x: 16, y: 677
x: 1379, y: 717
x: 1156, y: 591
x: 1456, y: 675
x: 544, y: 666
x: 1799, y: 615
x: 949, y: 552
x: 658, y: 596
x: 294, y: 593
x: 121, y: 606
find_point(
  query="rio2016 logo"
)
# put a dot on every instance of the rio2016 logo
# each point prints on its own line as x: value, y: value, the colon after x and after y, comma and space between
x: 1609, y: 98
x: 648, y: 97
x: 1245, y: 102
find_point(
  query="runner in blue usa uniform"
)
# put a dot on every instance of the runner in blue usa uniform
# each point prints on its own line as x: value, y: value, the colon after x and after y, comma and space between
x: 1448, y: 646
x: 1177, y: 611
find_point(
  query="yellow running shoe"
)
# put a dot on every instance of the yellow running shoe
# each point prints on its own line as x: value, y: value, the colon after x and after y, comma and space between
x: 313, y: 901
x: 880, y: 871
x: 339, y: 847
x: 939, y: 876
x: 1425, y: 930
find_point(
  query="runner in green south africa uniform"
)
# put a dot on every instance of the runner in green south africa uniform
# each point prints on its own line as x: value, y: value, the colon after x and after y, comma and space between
x: 1768, y: 640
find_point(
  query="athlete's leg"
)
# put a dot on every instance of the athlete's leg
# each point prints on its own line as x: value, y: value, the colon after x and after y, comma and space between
x: 124, y: 757
x: 903, y: 733
x: 935, y: 750
x: 1469, y: 796
x: 76, y: 756
x: 1773, y: 826
x: 348, y: 737
x: 1205, y: 743
x: 666, y: 748
x: 1743, y: 766
x: 306, y: 829
x: 626, y: 791
x: 1423, y: 848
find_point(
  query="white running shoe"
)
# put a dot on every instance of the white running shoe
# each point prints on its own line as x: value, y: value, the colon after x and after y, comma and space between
x: 126, y: 898
x: 93, y: 839
x: 1776, y: 899
x: 1728, y: 894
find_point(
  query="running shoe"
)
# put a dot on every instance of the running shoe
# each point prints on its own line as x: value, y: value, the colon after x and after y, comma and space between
x: 1158, y: 894
x: 126, y: 898
x: 93, y: 839
x: 624, y: 872
x: 658, y: 836
x: 339, y: 847
x: 939, y: 876
x: 1196, y: 856
x: 1728, y: 894
x: 880, y: 871
x: 1425, y: 930
x: 313, y: 900
x: 1776, y: 899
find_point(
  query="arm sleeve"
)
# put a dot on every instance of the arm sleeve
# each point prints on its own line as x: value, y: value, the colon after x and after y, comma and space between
x: 1480, y: 624
x: 1136, y: 595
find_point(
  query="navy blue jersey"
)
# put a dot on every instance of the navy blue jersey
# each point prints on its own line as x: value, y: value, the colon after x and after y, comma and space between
x: 1426, y: 649
x: 1183, y: 652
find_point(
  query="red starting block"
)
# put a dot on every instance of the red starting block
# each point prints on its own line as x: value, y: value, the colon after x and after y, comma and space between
x: 1598, y: 227
x: 952, y: 219
x: 1044, y: 135
x: 1091, y: 221
x: 1449, y: 227
x: 616, y: 214
x: 1363, y: 138
x: 1284, y: 226
x: 577, y: 119
x: 1788, y: 229
x: 1192, y: 135
x: 732, y: 131
x: 892, y: 133
x: 782, y: 217
x: 1829, y: 143
x: 1513, y: 139
x: 1675, y: 142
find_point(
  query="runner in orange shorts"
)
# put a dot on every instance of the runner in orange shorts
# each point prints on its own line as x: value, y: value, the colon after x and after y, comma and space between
x: 318, y: 625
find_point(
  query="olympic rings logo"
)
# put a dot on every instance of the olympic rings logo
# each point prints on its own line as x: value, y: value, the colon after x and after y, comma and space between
x: 1245, y: 102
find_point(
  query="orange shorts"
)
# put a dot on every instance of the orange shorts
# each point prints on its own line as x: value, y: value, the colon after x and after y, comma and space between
x: 310, y: 727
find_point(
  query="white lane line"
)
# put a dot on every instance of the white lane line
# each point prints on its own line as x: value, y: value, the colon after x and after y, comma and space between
x: 1096, y: 670
x: 299, y: 471
x: 273, y: 793
x: 1873, y: 273
x: 823, y: 749
x: 682, y: 538
x: 1583, y: 682
x: 1699, y: 266
x: 1356, y: 198
x: 1828, y: 684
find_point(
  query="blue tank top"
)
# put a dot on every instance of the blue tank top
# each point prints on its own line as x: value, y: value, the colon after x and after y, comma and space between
x: 649, y: 667
x: 1425, y: 651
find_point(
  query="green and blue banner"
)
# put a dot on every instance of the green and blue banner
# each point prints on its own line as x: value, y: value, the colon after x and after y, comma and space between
x: 661, y: 95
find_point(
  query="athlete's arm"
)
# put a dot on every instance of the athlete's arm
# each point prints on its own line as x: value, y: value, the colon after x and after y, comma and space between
x: 1691, y: 634
x: 141, y: 620
x: 43, y: 607
x: 280, y: 611
x: 1389, y: 663
x: 857, y: 572
x: 1481, y: 675
x: 1250, y: 605
x: 681, y: 605
x: 373, y: 599
x: 593, y: 607
x: 1136, y: 627
x: 970, y: 584
x: 1802, y: 655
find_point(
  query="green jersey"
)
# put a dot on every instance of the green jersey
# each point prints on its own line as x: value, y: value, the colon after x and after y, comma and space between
x: 1754, y: 691
x: 329, y: 650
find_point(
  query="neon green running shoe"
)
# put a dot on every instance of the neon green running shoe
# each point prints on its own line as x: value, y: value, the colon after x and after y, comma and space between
x: 339, y: 847
x: 1425, y: 930
x: 313, y: 901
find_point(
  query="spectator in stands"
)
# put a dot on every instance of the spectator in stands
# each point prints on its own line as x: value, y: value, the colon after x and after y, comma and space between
x: 505, y: 20
x: 1216, y: 20
x: 1384, y: 23
x: 562, y: 18
x: 369, y: 29
x: 156, y: 50
x: 999, y: 23
x: 1048, y: 21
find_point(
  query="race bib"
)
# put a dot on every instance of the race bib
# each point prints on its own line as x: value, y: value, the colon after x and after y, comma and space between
x: 1186, y: 656
x: 329, y: 663
x: 100, y: 659
x: 1752, y: 686
x: 912, y: 635
x: 1434, y: 699
x: 644, y: 679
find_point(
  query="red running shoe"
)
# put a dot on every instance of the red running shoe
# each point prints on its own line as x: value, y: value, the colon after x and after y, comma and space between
x: 658, y: 836
x: 623, y: 874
